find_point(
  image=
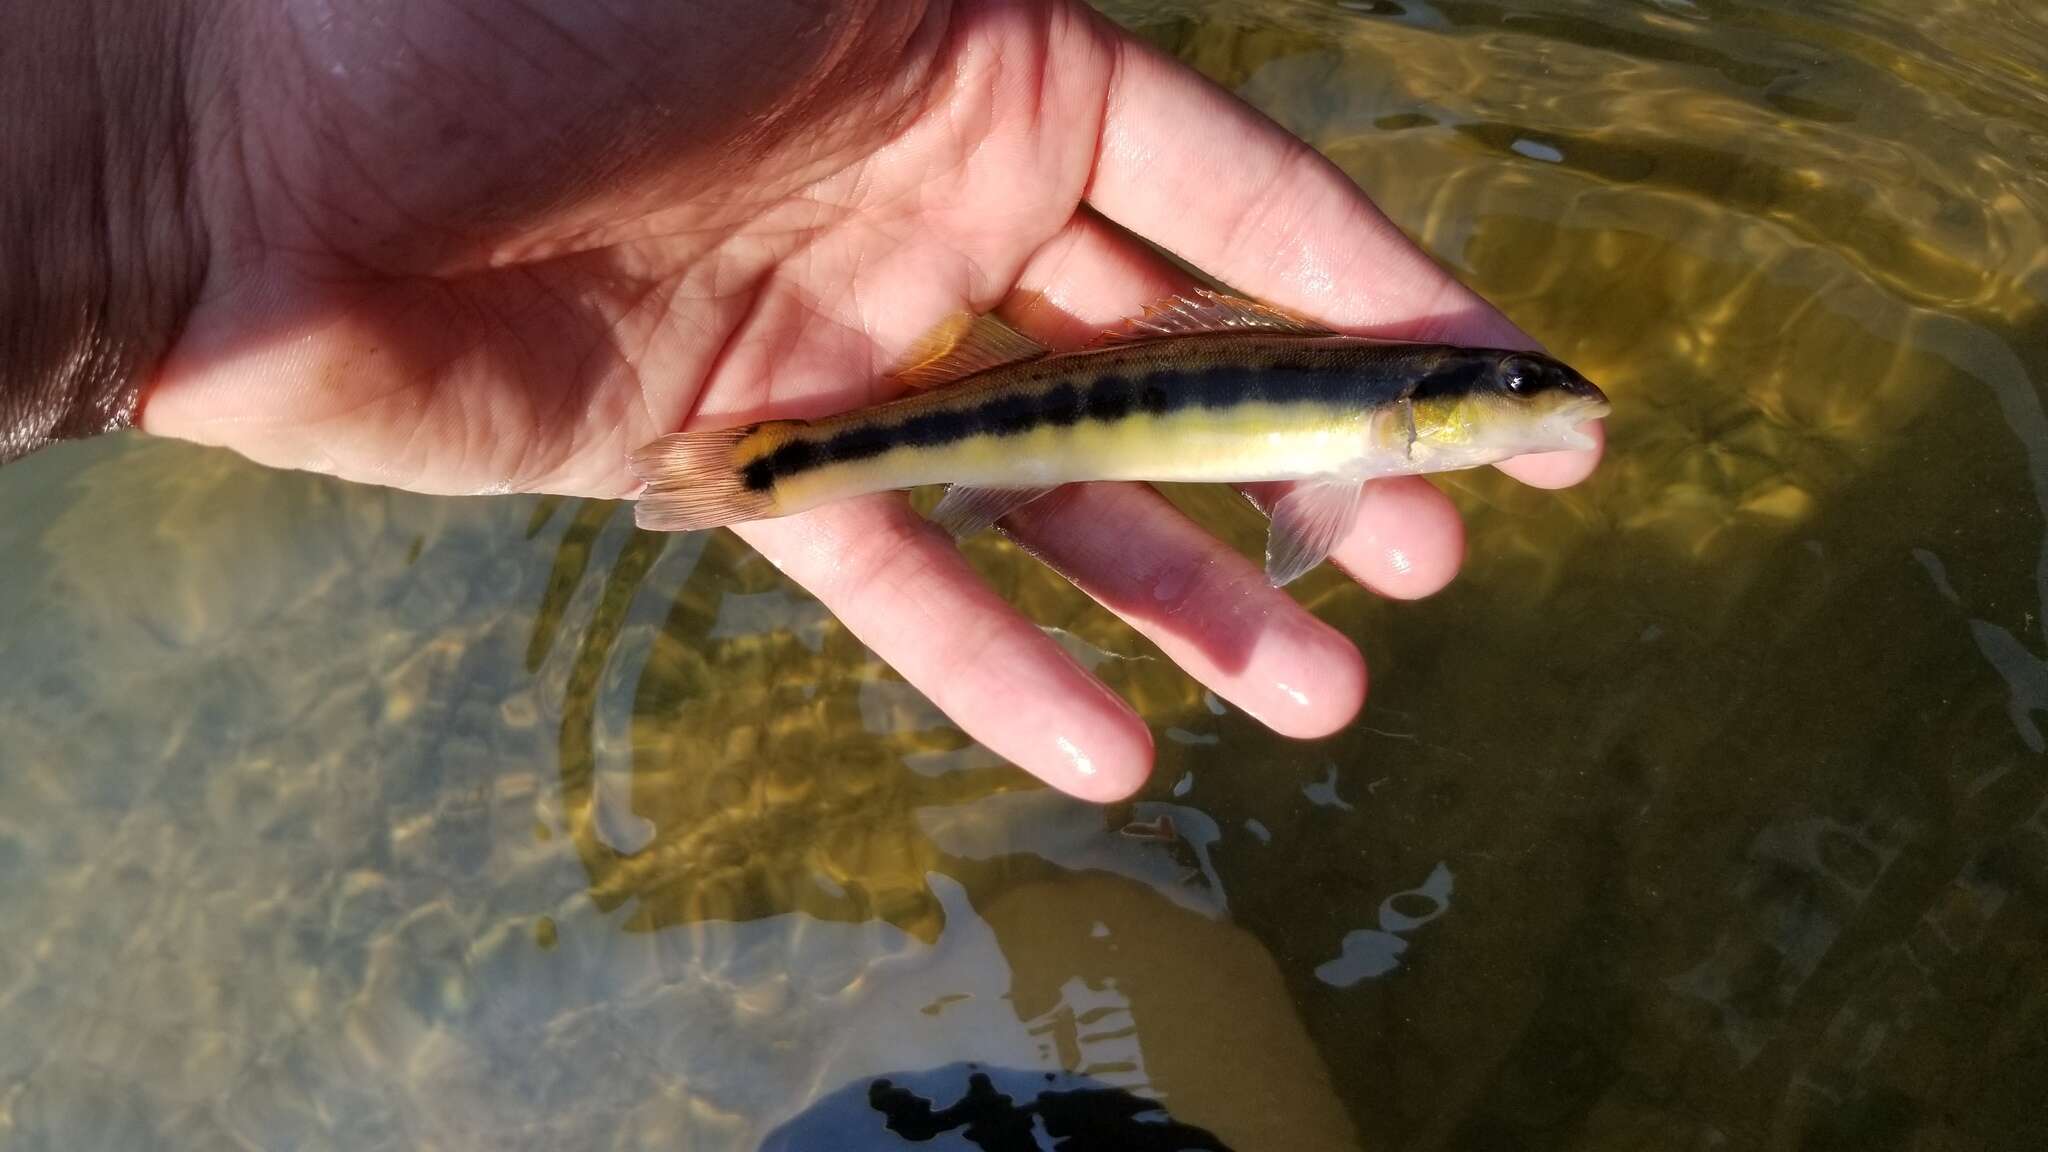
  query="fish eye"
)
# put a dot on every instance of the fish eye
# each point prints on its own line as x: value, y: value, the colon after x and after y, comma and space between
x: 1520, y: 376
x: 1531, y: 376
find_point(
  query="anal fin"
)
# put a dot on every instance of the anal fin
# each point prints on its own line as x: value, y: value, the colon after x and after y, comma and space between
x: 964, y: 511
x: 1307, y: 523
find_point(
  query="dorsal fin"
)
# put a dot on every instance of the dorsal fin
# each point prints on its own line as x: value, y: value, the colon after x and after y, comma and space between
x: 1206, y: 311
x: 961, y: 345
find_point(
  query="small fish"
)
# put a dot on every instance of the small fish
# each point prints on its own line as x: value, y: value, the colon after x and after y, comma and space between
x: 1203, y: 388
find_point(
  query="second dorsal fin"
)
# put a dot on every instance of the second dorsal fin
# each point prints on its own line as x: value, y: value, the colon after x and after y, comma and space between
x: 1206, y: 311
x: 961, y: 345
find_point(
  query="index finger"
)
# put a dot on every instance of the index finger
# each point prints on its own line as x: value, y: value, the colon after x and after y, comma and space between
x: 1248, y: 202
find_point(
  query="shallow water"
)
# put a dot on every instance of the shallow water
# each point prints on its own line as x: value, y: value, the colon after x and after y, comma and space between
x: 1707, y: 810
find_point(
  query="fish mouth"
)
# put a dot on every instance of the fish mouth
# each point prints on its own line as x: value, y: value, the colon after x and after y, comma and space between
x: 1563, y: 427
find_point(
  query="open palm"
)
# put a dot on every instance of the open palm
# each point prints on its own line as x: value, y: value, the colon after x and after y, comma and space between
x: 469, y: 247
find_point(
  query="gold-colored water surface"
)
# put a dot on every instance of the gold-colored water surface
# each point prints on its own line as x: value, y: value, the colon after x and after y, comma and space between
x: 1709, y: 808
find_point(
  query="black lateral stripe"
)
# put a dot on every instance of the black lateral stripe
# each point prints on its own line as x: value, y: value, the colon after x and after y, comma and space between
x: 1157, y: 391
x: 1454, y: 377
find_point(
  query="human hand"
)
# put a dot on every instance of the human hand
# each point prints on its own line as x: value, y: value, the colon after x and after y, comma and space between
x: 492, y: 248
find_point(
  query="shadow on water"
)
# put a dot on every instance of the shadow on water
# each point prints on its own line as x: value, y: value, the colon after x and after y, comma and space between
x: 774, y: 768
x: 988, y: 1110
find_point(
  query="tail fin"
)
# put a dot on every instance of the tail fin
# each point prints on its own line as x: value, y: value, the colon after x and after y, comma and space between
x: 698, y: 479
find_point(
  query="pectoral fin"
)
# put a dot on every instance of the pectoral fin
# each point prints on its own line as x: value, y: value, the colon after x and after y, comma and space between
x: 964, y: 511
x: 1307, y: 523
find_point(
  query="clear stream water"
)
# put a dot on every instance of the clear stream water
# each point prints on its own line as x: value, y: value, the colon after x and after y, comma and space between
x: 1708, y: 810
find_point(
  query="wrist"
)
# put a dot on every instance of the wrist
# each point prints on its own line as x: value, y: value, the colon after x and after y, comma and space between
x: 101, y: 251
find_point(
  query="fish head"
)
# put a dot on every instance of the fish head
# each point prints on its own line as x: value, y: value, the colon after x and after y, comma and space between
x: 1540, y: 402
x: 1480, y: 406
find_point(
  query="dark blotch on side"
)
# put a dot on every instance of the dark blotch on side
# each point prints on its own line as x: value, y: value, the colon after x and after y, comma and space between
x: 1108, y: 399
x: 1061, y: 405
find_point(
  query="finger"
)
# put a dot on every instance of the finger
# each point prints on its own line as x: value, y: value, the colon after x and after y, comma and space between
x: 1208, y: 609
x: 1249, y: 203
x: 1560, y: 469
x: 1246, y: 201
x: 1407, y: 541
x: 900, y: 586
